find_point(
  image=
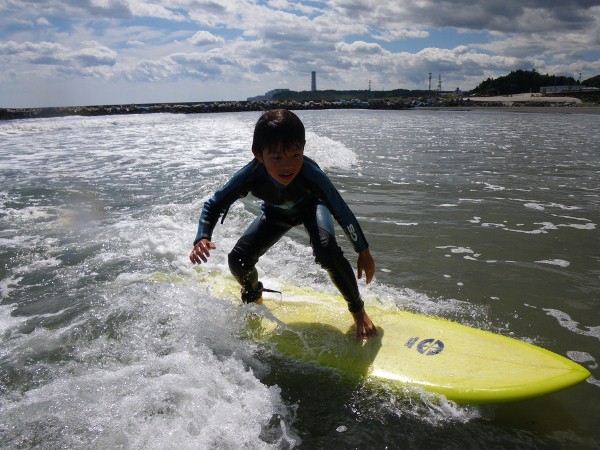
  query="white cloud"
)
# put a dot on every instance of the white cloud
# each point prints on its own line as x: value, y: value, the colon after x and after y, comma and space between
x: 95, y: 55
x: 42, y: 21
x: 391, y: 34
x: 157, y: 11
x: 212, y: 14
x: 31, y: 50
x: 205, y: 38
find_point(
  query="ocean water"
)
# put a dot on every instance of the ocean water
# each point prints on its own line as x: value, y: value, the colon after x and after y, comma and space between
x: 109, y: 338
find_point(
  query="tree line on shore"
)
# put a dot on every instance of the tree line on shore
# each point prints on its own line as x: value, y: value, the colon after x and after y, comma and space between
x: 519, y: 81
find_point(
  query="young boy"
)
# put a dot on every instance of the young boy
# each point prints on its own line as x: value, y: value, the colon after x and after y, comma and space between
x: 295, y: 191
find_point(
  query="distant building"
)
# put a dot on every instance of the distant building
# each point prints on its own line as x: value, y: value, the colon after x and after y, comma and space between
x: 267, y: 96
x: 313, y: 83
x: 567, y: 88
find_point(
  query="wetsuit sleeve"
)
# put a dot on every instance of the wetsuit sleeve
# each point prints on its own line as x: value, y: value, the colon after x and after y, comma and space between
x: 237, y: 187
x: 340, y: 210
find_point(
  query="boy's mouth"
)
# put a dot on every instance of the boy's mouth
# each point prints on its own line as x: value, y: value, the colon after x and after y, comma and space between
x: 286, y: 177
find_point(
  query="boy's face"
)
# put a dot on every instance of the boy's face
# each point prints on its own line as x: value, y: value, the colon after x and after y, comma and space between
x: 283, y: 167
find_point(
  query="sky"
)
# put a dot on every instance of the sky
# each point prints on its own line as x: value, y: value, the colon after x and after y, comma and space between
x: 98, y: 52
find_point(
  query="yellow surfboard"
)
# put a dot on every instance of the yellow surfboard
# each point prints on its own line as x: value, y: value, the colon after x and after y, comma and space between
x: 465, y: 364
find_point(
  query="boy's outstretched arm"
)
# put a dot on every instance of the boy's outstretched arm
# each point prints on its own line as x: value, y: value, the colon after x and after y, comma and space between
x: 201, y: 251
x: 365, y: 264
x: 365, y: 328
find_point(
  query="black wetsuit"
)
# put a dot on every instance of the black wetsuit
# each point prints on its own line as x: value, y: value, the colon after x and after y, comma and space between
x: 310, y: 199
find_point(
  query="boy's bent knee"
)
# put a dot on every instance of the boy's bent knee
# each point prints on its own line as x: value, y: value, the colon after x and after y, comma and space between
x: 329, y: 257
x: 238, y: 260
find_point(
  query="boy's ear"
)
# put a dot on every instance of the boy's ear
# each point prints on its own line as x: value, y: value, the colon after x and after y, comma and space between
x: 259, y: 157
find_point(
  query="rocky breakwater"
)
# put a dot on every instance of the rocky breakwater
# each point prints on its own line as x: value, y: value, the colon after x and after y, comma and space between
x: 104, y: 110
x: 192, y: 108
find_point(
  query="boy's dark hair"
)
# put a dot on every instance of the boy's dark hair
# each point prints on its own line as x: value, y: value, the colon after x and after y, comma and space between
x: 279, y: 131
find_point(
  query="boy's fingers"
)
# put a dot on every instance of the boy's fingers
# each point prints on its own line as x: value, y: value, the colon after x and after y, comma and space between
x: 201, y: 252
x: 368, y: 274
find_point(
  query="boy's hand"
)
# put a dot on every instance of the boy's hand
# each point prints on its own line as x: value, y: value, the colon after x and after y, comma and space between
x: 201, y: 251
x: 365, y: 263
x: 364, y: 326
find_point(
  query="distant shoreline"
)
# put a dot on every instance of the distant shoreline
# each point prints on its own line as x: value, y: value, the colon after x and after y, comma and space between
x: 215, y: 107
x: 521, y: 109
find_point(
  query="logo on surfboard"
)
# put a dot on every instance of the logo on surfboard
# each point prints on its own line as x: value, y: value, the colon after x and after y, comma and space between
x: 428, y: 347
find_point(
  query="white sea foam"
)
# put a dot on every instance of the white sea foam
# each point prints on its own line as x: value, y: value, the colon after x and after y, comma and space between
x: 582, y: 219
x: 329, y: 153
x: 493, y: 225
x: 390, y: 221
x: 535, y: 206
x: 168, y: 376
x: 491, y: 187
x: 8, y: 285
x: 583, y: 358
x: 555, y: 262
x: 7, y: 320
x: 468, y: 252
x: 585, y: 226
x: 567, y: 322
x: 545, y: 227
x: 182, y: 399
